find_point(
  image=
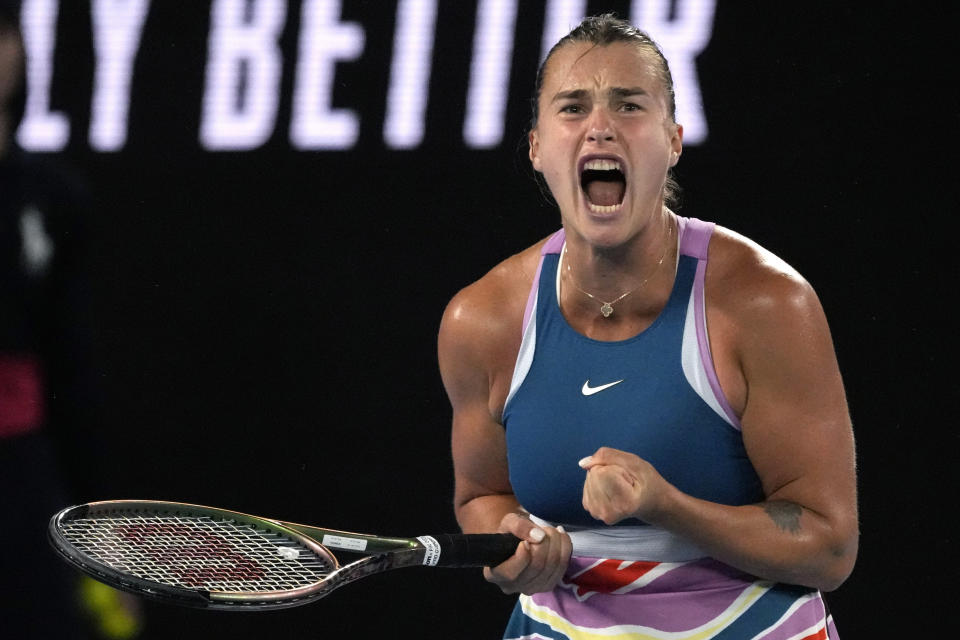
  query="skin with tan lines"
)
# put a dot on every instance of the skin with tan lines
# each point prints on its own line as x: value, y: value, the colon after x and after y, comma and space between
x: 769, y: 338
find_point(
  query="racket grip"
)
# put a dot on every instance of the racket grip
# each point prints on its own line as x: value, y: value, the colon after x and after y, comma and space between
x: 475, y: 549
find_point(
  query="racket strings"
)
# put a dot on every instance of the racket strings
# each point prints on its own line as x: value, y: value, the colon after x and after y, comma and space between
x: 198, y: 552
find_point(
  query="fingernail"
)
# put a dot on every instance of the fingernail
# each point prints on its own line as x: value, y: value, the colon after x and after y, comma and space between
x: 584, y: 462
x: 537, y: 535
x: 561, y: 529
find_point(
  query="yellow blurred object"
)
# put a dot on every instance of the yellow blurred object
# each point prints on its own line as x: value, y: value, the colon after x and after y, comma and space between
x: 115, y: 614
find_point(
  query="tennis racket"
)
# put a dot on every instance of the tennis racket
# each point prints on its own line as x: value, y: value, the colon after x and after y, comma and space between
x: 203, y: 557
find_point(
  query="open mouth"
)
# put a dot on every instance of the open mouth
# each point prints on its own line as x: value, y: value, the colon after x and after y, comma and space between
x: 604, y: 184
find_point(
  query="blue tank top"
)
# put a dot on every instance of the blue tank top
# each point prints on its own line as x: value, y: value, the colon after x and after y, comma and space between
x: 571, y: 395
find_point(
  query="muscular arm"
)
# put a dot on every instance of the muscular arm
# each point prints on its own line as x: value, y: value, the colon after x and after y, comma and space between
x: 482, y: 492
x: 774, y: 351
x: 477, y: 344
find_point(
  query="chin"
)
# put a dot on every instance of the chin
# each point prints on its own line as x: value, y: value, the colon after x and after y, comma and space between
x: 606, y: 227
x: 603, y: 235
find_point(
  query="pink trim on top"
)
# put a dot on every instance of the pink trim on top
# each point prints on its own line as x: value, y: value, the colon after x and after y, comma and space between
x: 553, y: 245
x: 695, y: 241
x: 681, y: 231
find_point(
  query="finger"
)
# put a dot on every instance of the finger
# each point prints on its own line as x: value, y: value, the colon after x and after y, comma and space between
x: 508, y: 573
x: 598, y: 494
x: 588, y: 463
x: 606, y: 455
x: 591, y: 501
x: 547, y: 564
x: 522, y: 527
x: 560, y: 557
x: 594, y: 486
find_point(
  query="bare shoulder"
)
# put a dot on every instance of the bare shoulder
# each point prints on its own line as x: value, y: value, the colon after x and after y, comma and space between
x: 481, y: 327
x: 496, y: 299
x: 748, y: 282
x: 764, y: 319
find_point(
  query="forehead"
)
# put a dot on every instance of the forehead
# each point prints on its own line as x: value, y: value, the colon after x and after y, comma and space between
x: 584, y: 65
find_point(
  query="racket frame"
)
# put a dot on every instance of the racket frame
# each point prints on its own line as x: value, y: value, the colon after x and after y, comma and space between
x: 385, y: 554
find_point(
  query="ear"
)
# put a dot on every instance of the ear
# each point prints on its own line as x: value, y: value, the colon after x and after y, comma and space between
x: 534, y: 140
x: 676, y: 144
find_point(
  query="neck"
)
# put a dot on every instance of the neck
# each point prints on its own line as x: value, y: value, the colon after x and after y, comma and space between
x: 608, y: 272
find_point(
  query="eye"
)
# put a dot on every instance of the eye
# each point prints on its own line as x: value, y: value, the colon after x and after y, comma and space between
x: 630, y: 106
x: 572, y: 108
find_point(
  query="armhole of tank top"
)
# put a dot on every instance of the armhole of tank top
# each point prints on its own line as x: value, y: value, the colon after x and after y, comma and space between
x: 528, y: 341
x: 524, y: 361
x: 696, y: 357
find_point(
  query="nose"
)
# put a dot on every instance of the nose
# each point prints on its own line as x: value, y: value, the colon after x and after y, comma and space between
x: 600, y: 127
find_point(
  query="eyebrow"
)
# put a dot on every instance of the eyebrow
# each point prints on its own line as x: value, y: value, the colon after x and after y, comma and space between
x: 621, y: 92
x: 616, y: 92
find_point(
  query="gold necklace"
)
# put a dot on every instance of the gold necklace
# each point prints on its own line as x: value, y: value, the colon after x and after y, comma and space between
x: 606, y: 308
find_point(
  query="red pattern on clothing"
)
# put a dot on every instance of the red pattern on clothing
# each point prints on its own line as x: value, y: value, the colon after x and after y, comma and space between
x: 610, y: 575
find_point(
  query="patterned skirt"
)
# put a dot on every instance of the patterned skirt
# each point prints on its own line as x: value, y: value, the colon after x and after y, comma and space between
x: 640, y: 600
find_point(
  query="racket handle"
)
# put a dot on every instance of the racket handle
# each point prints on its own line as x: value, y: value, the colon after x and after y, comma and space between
x: 475, y: 549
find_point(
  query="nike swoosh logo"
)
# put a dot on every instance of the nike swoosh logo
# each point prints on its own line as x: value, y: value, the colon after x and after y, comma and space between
x: 587, y: 390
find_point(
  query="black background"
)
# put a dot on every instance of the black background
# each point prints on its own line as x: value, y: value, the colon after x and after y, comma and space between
x: 265, y: 322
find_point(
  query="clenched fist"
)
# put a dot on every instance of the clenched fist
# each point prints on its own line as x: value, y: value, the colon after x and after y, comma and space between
x: 620, y: 485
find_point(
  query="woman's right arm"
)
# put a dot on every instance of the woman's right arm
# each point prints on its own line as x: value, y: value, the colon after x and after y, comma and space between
x: 472, y: 344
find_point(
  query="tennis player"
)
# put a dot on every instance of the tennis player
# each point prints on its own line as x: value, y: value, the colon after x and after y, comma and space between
x: 651, y: 402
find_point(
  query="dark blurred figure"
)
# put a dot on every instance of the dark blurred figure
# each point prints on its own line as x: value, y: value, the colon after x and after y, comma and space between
x: 48, y: 428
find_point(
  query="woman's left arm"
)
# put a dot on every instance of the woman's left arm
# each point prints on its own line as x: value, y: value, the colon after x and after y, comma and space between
x: 797, y: 432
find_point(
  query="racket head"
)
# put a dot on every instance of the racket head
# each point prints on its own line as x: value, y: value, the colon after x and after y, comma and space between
x: 192, y: 555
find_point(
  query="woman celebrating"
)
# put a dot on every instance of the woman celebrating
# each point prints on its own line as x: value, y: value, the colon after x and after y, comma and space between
x: 651, y: 403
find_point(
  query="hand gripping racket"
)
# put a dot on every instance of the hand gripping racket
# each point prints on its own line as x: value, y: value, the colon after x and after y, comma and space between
x: 203, y: 557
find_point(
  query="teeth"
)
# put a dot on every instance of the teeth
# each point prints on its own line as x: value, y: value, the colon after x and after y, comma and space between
x: 602, y: 165
x: 599, y: 208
